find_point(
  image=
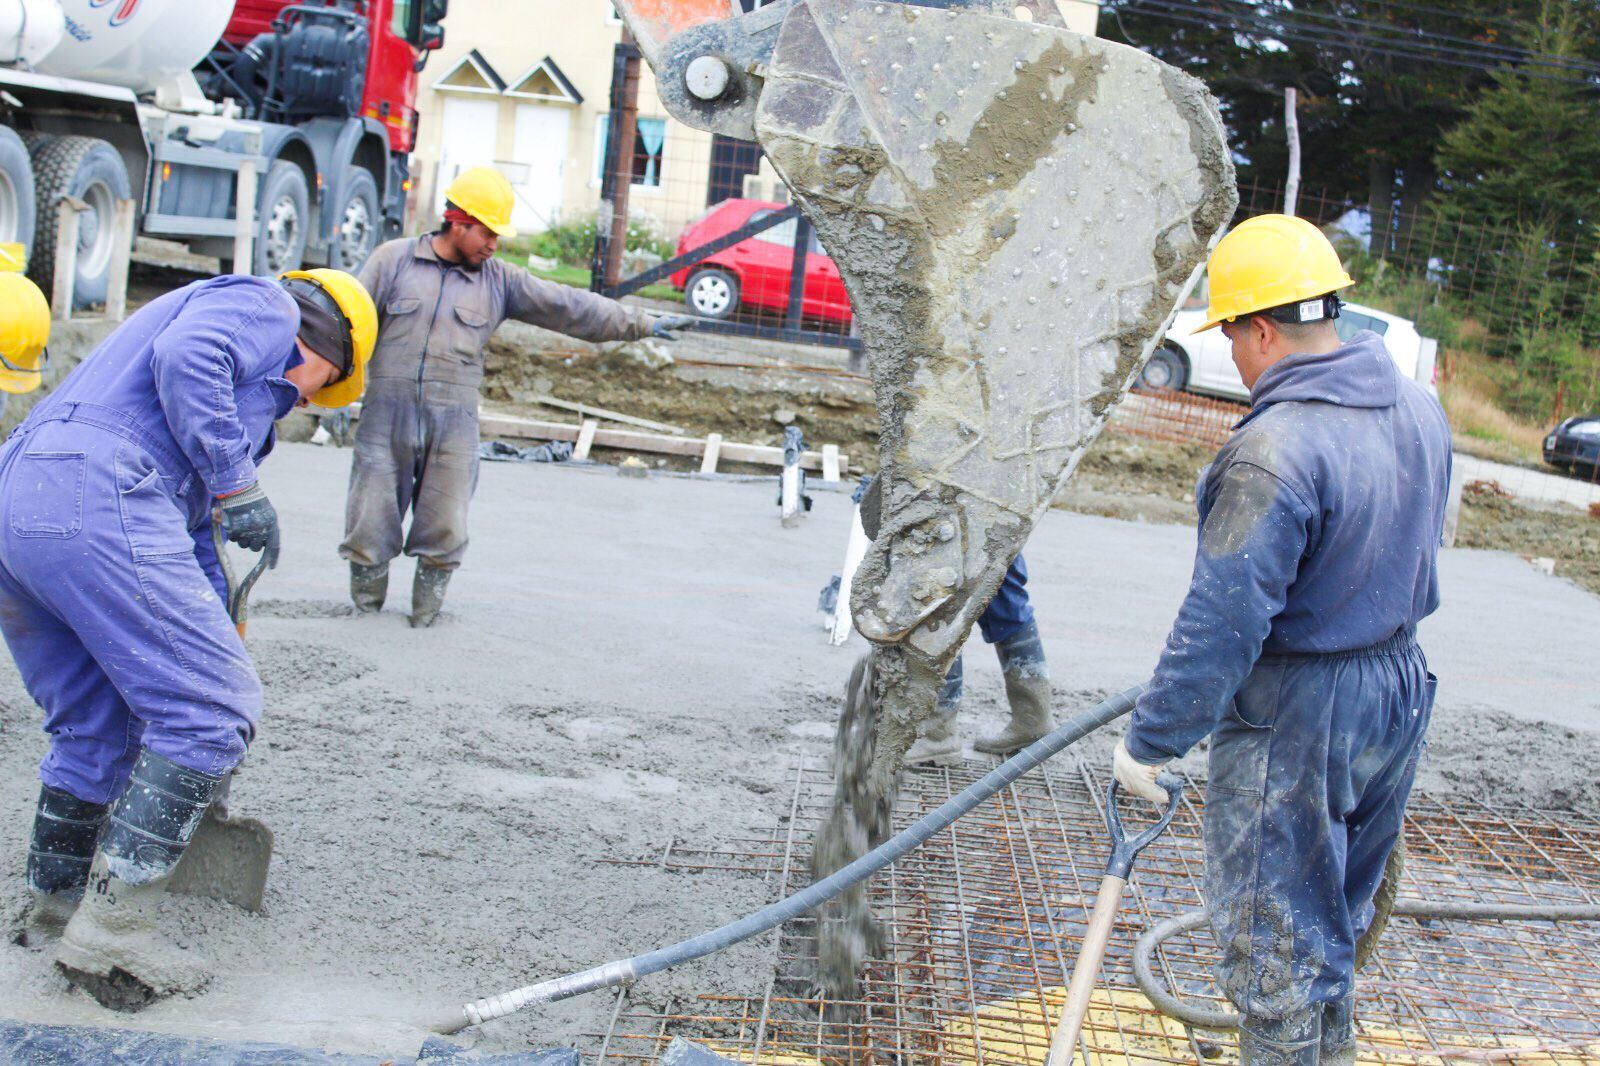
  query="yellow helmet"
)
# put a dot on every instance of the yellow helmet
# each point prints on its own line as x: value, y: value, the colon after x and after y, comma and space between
x: 24, y: 325
x: 354, y: 304
x: 485, y: 194
x: 1269, y: 261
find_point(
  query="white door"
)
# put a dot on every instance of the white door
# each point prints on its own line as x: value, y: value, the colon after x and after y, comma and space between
x: 469, y: 136
x: 541, y: 147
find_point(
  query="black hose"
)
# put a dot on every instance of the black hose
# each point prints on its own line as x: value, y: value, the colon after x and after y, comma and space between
x: 1212, y: 1018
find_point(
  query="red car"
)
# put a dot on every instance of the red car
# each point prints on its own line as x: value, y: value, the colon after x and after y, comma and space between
x: 755, y: 273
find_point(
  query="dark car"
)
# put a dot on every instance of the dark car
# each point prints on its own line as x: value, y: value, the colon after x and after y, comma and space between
x: 1575, y: 443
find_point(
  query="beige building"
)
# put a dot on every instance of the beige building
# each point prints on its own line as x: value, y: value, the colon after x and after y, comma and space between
x: 526, y: 86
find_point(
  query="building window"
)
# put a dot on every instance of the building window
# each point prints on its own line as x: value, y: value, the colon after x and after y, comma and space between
x: 731, y: 160
x: 649, y: 141
x: 612, y: 18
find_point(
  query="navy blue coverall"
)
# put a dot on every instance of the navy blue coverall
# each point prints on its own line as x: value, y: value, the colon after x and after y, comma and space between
x: 112, y: 601
x: 1295, y: 651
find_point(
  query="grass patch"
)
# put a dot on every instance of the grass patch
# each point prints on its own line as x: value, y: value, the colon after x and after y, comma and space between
x: 578, y: 278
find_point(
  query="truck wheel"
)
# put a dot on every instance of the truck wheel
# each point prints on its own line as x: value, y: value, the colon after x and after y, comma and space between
x: 16, y: 191
x: 358, y: 221
x: 713, y: 293
x: 91, y: 170
x: 284, y: 210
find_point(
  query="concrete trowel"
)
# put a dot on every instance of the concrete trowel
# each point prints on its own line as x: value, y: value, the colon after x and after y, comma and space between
x: 228, y: 856
x: 1017, y: 211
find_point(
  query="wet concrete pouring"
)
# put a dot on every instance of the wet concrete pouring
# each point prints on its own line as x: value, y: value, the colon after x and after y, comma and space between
x: 628, y: 668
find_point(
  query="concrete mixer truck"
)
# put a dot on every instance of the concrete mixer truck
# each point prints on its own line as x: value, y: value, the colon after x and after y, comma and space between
x: 161, y: 102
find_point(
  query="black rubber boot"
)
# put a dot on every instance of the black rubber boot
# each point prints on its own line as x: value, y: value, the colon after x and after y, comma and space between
x: 1339, y: 1032
x: 1027, y: 691
x: 427, y: 594
x: 110, y: 948
x: 369, y: 585
x: 1291, y: 1041
x: 66, y: 830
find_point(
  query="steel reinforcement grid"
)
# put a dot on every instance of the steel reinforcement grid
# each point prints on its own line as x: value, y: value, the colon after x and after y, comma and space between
x: 982, y: 926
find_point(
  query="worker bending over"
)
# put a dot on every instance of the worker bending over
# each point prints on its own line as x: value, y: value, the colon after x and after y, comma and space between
x: 1295, y: 649
x: 112, y: 600
x: 1007, y: 622
x: 439, y: 298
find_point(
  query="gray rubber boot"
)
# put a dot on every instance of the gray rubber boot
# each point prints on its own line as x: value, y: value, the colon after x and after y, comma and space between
x: 1291, y: 1041
x: 1339, y: 1033
x: 1027, y: 691
x: 66, y: 830
x: 110, y: 948
x: 427, y: 594
x: 369, y: 585
x: 939, y: 744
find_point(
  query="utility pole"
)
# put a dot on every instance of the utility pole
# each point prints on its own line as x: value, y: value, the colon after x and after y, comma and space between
x: 611, y: 229
x: 1291, y: 124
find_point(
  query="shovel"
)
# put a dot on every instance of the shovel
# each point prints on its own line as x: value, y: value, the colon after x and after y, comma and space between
x: 1118, y: 867
x: 228, y: 856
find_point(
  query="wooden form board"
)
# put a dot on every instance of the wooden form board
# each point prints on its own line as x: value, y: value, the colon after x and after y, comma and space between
x: 590, y: 434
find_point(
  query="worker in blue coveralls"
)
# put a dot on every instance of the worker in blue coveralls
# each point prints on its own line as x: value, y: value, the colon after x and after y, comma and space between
x: 112, y: 600
x: 1295, y: 649
x: 1008, y: 624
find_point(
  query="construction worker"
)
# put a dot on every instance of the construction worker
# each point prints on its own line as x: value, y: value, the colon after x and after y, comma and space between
x: 439, y: 298
x: 1295, y: 649
x: 1008, y: 624
x: 112, y: 599
x: 24, y: 327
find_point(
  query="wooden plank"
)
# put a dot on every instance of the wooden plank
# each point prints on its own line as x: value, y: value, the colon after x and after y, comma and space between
x: 121, y: 254
x: 587, y: 411
x: 708, y: 462
x: 659, y: 444
x: 586, y: 434
x: 66, y: 265
x: 244, y: 214
x: 830, y: 462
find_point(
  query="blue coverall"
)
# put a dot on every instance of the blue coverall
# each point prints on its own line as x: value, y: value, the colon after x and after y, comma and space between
x: 1295, y: 651
x: 112, y: 601
x: 1006, y: 615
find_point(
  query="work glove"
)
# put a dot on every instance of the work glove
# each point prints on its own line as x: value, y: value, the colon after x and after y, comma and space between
x: 664, y: 327
x: 250, y: 521
x: 1136, y: 777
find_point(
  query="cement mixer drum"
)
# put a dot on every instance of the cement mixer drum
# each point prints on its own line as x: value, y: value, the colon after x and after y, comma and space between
x: 138, y: 44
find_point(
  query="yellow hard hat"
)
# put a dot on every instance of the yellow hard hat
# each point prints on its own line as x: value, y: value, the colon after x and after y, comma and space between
x: 24, y: 325
x: 1269, y: 261
x: 354, y: 304
x: 485, y: 194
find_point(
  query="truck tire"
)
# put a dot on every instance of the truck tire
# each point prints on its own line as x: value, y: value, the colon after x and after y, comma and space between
x: 17, y: 208
x: 283, y: 213
x: 91, y: 170
x: 357, y: 222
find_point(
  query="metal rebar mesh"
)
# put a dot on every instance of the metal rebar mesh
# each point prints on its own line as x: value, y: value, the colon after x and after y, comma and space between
x: 983, y: 925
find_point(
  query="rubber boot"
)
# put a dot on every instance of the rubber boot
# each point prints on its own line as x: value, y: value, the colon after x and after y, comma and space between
x: 65, y: 832
x: 939, y: 744
x: 427, y: 594
x: 369, y: 585
x: 110, y: 948
x: 1294, y: 1040
x: 1339, y: 1032
x: 1027, y: 691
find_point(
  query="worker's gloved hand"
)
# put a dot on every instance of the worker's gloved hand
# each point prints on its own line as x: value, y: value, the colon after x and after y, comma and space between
x: 250, y: 521
x: 665, y: 326
x: 1137, y: 778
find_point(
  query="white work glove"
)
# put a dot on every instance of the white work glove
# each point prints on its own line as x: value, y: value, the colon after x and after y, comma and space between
x: 1137, y: 778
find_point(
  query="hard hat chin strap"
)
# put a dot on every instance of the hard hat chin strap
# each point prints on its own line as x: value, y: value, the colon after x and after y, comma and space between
x: 1303, y: 311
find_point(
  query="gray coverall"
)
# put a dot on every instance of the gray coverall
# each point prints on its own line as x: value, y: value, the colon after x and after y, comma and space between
x: 417, y: 441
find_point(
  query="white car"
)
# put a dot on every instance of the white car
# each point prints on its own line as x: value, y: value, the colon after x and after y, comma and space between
x: 1203, y: 362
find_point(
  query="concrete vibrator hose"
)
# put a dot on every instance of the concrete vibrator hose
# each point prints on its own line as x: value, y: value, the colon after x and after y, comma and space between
x: 626, y: 971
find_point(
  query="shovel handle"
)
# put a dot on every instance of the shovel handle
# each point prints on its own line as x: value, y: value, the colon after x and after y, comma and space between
x: 1087, y: 970
x: 238, y: 591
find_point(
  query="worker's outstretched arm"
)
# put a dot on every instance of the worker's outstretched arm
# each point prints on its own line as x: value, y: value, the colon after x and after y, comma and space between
x: 225, y: 335
x: 587, y: 316
x: 1254, y: 536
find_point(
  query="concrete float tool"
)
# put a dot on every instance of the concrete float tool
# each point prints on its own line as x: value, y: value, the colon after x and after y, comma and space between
x: 626, y: 971
x: 229, y: 856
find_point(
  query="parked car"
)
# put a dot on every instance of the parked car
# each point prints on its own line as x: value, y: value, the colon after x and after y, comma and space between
x: 755, y: 272
x: 1203, y: 362
x: 1575, y: 443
